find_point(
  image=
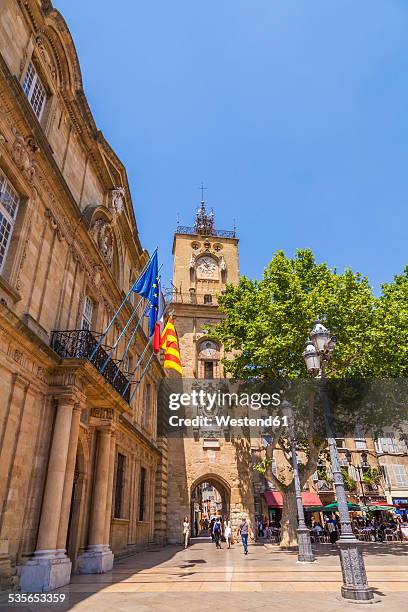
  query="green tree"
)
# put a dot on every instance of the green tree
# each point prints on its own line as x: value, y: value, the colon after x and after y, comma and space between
x: 267, y: 322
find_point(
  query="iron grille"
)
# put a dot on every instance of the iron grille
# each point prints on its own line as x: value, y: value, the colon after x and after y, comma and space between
x: 185, y: 229
x: 80, y: 344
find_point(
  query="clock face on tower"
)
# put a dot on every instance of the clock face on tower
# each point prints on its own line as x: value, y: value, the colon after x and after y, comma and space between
x: 207, y: 267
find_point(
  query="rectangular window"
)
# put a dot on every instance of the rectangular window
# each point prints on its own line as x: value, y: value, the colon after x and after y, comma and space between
x: 120, y: 482
x: 142, y: 494
x: 147, y: 400
x: 126, y: 364
x: 388, y: 445
x: 340, y: 443
x: 400, y: 476
x: 34, y: 90
x: 9, y: 202
x: 208, y: 369
x: 361, y: 443
x: 86, y: 322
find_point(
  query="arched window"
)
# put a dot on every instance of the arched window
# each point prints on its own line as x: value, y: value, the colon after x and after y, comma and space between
x: 208, y: 298
x: 208, y: 359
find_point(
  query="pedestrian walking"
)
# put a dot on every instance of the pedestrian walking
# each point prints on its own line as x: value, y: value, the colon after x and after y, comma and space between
x: 212, y: 528
x: 186, y: 531
x: 332, y: 529
x: 243, y: 531
x: 228, y: 533
x: 217, y: 533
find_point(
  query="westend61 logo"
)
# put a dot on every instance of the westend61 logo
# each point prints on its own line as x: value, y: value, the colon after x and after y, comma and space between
x: 212, y: 407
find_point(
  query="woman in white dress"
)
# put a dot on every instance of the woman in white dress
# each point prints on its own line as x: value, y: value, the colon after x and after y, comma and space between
x: 228, y: 533
x: 186, y: 531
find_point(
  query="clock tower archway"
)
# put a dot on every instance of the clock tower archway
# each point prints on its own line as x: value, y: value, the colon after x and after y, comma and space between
x: 205, y: 259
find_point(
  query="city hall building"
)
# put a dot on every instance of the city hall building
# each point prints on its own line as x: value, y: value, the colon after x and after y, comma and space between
x: 80, y: 466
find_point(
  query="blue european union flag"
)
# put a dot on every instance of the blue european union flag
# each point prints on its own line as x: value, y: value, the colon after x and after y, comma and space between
x: 144, y: 285
x: 148, y: 287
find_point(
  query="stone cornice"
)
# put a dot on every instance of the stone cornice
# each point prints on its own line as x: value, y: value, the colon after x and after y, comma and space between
x: 50, y: 25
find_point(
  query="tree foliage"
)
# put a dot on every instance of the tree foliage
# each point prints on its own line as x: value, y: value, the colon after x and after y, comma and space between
x: 267, y: 322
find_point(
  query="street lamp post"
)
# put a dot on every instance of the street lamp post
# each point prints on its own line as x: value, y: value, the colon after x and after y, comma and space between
x: 359, y: 470
x: 355, y: 585
x: 305, y: 553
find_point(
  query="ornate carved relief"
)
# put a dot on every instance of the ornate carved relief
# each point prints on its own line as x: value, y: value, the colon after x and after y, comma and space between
x: 54, y: 224
x: 45, y: 55
x: 21, y: 153
x: 102, y: 233
x: 103, y: 413
x: 117, y: 204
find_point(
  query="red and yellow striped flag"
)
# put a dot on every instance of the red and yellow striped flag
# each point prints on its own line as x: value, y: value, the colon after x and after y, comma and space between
x: 169, y: 343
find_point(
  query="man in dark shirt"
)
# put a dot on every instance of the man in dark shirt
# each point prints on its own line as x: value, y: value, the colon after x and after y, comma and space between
x: 243, y: 531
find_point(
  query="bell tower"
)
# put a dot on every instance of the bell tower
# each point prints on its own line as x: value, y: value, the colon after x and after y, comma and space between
x: 205, y: 260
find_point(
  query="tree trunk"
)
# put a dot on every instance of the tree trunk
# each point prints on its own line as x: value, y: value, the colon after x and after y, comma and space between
x: 289, y: 522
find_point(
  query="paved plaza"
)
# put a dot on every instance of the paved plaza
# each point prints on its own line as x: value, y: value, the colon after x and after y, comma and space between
x: 203, y: 578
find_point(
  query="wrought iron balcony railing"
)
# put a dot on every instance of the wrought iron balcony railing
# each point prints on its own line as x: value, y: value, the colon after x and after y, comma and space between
x: 204, y: 299
x: 80, y: 344
x: 185, y: 229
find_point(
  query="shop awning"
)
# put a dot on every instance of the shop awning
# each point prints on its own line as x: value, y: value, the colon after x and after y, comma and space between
x: 274, y: 499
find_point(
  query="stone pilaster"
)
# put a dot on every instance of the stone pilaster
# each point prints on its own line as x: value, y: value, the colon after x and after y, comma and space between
x: 48, y: 569
x: 98, y: 558
x: 109, y: 499
x: 69, y: 479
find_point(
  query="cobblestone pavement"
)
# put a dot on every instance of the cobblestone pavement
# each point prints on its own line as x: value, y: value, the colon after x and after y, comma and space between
x: 203, y: 578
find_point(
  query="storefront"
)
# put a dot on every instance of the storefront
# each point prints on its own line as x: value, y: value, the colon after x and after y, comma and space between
x: 401, y: 504
x: 273, y: 504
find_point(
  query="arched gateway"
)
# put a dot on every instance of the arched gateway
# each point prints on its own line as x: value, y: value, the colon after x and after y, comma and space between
x: 205, y: 259
x: 210, y: 496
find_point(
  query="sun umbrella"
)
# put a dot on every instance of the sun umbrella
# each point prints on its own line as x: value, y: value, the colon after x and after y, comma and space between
x: 334, y: 506
x: 373, y: 508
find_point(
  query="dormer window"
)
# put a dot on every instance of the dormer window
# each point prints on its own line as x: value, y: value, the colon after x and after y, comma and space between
x: 35, y: 91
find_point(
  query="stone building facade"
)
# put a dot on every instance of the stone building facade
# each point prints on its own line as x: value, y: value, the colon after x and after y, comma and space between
x: 205, y: 259
x: 81, y: 471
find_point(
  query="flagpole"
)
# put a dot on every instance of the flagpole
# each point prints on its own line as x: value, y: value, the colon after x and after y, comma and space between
x: 141, y: 378
x: 129, y: 343
x: 121, y: 306
x: 130, y: 339
x: 121, y: 334
x: 142, y: 355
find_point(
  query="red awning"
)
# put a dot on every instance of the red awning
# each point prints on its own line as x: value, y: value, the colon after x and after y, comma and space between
x: 275, y: 499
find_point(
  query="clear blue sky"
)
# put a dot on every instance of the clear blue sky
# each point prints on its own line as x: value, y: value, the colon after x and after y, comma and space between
x: 293, y: 113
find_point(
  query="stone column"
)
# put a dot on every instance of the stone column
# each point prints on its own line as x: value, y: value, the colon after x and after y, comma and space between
x: 109, y: 499
x: 98, y: 558
x: 69, y: 479
x: 47, y: 570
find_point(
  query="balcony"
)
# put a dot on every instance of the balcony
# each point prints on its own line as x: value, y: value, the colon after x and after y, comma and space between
x: 185, y: 229
x: 202, y: 299
x: 80, y: 344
